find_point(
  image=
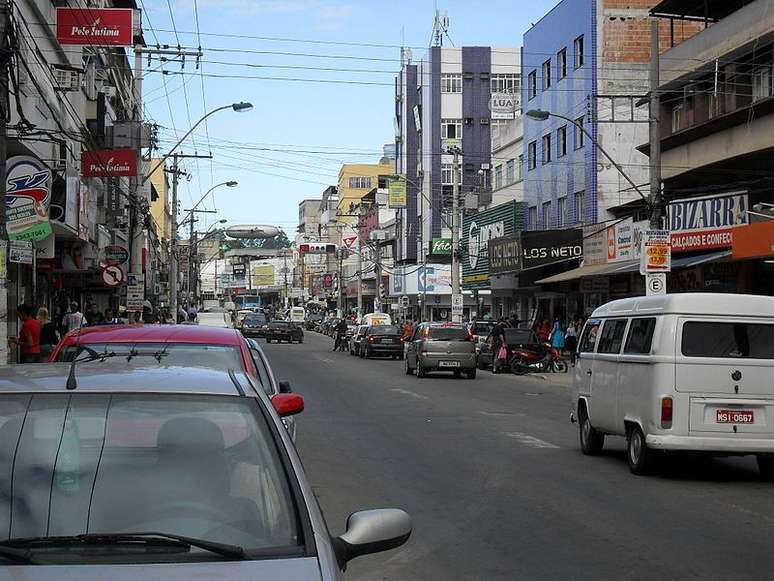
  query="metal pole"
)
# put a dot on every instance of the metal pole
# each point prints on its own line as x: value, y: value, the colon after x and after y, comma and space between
x: 5, y: 280
x: 455, y: 228
x: 656, y: 202
x: 173, y: 243
x: 378, y: 307
x: 136, y: 241
x: 359, y: 268
x: 189, y: 275
x: 341, y: 250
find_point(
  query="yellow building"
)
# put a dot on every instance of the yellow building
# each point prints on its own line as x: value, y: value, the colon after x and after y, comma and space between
x: 357, y: 179
x: 160, y: 207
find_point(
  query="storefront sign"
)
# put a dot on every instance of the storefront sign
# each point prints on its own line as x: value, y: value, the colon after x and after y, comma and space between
x: 706, y: 223
x: 503, y: 105
x: 135, y: 292
x: 397, y: 192
x: 238, y: 270
x: 20, y: 251
x: 263, y: 275
x: 94, y: 26
x: 115, y: 254
x: 505, y: 255
x: 754, y: 241
x: 594, y: 245
x: 656, y: 252
x: 477, y: 230
x: 441, y: 247
x: 431, y: 279
x: 624, y: 240
x: 28, y: 194
x: 109, y: 163
x: 544, y: 247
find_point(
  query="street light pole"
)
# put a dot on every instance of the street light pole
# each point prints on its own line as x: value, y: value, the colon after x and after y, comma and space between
x: 455, y: 228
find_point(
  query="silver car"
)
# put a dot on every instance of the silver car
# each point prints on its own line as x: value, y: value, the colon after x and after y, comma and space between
x: 441, y: 347
x: 179, y: 472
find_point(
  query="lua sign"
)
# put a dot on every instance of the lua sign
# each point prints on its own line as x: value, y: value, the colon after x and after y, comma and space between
x: 28, y: 194
x: 503, y: 105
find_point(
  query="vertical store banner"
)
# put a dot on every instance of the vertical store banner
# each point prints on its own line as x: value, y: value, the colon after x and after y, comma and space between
x: 94, y: 26
x: 656, y: 252
x: 397, y: 192
x: 28, y: 195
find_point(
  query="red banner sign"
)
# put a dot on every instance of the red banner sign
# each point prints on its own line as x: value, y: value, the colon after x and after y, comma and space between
x: 109, y: 163
x: 94, y: 26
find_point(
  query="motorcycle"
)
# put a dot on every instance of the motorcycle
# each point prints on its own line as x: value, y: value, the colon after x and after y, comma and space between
x: 529, y: 361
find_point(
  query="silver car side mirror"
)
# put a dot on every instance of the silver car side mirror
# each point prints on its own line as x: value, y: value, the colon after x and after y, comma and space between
x: 373, y: 531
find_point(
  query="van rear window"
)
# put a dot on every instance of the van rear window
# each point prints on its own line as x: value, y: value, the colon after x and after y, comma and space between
x: 728, y: 340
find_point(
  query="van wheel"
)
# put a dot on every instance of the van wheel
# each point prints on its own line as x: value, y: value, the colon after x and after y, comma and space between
x: 765, y: 466
x: 591, y: 441
x: 641, y: 459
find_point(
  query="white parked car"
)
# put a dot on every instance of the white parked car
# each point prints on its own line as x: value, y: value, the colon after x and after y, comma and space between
x: 683, y: 372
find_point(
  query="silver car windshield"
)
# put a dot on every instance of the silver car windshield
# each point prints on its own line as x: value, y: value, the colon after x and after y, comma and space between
x: 200, y: 466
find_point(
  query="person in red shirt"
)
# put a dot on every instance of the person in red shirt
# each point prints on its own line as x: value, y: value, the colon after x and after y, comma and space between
x: 29, y: 335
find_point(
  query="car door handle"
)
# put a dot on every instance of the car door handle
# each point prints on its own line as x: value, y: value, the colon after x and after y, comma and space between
x: 588, y: 372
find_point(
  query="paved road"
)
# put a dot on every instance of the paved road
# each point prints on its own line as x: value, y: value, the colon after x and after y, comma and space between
x: 492, y: 476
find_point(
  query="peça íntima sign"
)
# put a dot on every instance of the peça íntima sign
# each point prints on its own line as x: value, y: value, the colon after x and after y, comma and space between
x: 95, y: 26
x: 109, y: 163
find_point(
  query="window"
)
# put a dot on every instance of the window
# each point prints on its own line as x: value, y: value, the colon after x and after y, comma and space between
x: 561, y: 211
x: 547, y: 148
x: 532, y: 216
x: 360, y: 182
x: 728, y: 340
x: 546, y: 74
x: 520, y: 168
x: 451, y: 128
x: 612, y: 336
x: 547, y: 218
x: 589, y: 337
x: 561, y: 141
x: 677, y: 117
x: 761, y: 83
x: 578, y: 134
x: 447, y: 174
x: 506, y: 83
x: 498, y: 176
x: 578, y: 52
x: 640, y: 336
x: 532, y: 85
x: 532, y: 154
x: 561, y: 64
x: 510, y: 171
x: 580, y: 207
x: 451, y: 83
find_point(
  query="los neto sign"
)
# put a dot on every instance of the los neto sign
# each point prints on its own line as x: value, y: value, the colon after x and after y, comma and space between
x: 94, y: 26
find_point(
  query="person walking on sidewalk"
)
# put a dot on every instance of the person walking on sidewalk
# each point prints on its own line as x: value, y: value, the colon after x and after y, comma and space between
x: 48, y: 335
x: 29, y: 335
x: 571, y: 340
x: 74, y: 319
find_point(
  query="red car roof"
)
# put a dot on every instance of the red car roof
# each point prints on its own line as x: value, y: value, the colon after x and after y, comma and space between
x: 154, y: 334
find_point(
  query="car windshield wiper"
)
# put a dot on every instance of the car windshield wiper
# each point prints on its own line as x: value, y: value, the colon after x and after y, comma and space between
x: 93, y: 354
x: 10, y: 547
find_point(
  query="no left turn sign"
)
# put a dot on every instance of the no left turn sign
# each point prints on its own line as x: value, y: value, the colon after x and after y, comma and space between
x: 113, y: 275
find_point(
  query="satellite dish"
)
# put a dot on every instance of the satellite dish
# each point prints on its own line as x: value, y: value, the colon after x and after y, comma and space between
x: 247, y: 231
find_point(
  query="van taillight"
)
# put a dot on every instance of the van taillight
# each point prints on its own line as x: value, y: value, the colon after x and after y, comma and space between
x: 666, y: 412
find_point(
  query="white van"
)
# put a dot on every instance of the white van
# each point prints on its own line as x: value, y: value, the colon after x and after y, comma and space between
x: 297, y: 314
x: 375, y: 319
x: 689, y: 372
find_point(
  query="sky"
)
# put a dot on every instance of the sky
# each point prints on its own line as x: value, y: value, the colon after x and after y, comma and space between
x: 291, y: 145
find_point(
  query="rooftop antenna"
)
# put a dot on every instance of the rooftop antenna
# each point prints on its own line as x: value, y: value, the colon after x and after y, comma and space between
x: 438, y: 29
x: 402, y: 47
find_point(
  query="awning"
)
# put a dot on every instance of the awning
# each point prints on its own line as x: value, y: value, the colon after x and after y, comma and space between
x: 690, y: 261
x: 591, y: 270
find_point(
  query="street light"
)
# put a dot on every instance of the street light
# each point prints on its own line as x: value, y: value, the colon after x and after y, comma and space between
x: 229, y: 184
x: 540, y: 115
x: 238, y: 107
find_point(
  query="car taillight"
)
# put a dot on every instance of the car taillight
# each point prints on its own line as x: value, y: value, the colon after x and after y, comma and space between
x: 666, y: 412
x: 372, y: 339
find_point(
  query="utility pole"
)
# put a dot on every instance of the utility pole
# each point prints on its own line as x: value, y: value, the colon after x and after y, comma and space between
x: 378, y: 308
x: 455, y: 228
x: 173, y: 242
x: 341, y: 252
x: 656, y: 202
x: 360, y: 265
x: 5, y: 60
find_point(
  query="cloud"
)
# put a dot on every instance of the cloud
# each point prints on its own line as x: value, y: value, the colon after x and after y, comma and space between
x: 333, y: 17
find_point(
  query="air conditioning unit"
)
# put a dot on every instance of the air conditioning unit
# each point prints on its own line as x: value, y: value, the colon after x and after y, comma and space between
x: 67, y: 80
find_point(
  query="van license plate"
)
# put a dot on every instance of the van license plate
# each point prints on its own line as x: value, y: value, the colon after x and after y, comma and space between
x: 734, y: 417
x: 448, y: 364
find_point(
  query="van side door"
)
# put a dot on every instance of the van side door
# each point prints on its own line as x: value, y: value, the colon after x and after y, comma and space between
x: 583, y: 366
x: 604, y: 379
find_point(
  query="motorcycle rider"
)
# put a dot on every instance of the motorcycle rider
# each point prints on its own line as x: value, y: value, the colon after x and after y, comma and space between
x: 340, y: 333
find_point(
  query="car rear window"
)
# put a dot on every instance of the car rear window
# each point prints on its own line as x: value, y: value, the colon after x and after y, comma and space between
x: 482, y: 328
x: 385, y: 330
x: 180, y: 354
x: 448, y: 334
x: 732, y: 340
x: 278, y: 325
x: 255, y: 319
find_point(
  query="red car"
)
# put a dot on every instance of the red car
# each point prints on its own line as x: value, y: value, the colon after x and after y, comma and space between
x: 183, y: 345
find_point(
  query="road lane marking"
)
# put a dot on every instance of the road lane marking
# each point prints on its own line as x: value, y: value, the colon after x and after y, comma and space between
x: 409, y: 393
x: 326, y: 360
x: 530, y: 441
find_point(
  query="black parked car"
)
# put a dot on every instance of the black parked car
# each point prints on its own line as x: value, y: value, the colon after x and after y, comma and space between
x: 382, y: 340
x: 284, y: 331
x: 313, y: 321
x: 523, y: 338
x: 254, y: 325
x: 357, y: 337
